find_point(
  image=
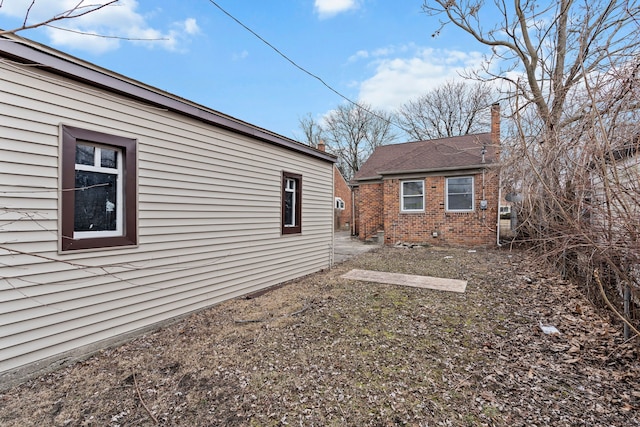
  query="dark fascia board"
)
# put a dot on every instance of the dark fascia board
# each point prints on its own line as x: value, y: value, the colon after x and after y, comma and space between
x: 32, y: 53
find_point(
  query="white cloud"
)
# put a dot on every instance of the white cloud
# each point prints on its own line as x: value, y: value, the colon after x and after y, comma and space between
x: 191, y: 26
x: 329, y: 8
x: 397, y: 80
x: 109, y: 25
x: 240, y: 56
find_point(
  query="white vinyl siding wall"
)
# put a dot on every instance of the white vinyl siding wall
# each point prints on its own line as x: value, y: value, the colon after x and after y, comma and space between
x: 208, y: 215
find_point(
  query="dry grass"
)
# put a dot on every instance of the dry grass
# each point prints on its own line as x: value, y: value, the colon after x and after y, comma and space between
x: 325, y: 351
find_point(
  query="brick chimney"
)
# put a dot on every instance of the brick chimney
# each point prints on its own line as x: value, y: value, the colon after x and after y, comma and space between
x: 495, y: 125
x: 321, y: 145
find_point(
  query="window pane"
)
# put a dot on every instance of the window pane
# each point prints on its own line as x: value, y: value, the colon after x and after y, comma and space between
x: 412, y: 188
x: 413, y: 203
x: 95, y: 207
x: 288, y: 208
x: 108, y: 158
x: 460, y: 202
x: 459, y: 185
x: 85, y: 155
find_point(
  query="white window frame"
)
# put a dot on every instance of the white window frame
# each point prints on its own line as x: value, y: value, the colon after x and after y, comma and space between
x: 339, y: 203
x: 402, y: 196
x: 290, y: 187
x: 118, y: 172
x: 446, y: 194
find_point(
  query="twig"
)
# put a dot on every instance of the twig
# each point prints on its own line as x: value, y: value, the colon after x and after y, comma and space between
x: 135, y: 382
x: 248, y: 320
x: 624, y: 319
x: 302, y: 310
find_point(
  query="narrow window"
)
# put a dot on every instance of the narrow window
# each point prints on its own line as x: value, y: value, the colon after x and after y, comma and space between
x: 291, y: 203
x: 98, y: 190
x: 412, y: 196
x: 339, y: 204
x: 459, y: 194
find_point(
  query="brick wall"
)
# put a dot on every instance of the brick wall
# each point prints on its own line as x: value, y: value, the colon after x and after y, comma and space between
x: 477, y: 228
x: 342, y: 190
x: 470, y: 229
x: 370, y: 213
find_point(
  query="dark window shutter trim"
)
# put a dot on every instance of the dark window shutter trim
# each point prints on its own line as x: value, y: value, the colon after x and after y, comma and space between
x: 297, y: 229
x: 70, y: 136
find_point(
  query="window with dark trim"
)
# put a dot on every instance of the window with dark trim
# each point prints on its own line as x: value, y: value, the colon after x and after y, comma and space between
x: 291, y: 203
x: 98, y: 190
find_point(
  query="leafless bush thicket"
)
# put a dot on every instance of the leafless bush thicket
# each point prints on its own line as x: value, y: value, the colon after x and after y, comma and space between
x: 569, y: 70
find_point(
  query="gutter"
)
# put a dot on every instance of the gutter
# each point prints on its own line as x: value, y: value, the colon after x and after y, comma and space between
x: 385, y: 174
x: 440, y: 169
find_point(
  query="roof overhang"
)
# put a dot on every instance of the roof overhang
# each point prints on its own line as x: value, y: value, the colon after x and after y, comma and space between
x: 31, y: 53
x: 424, y: 172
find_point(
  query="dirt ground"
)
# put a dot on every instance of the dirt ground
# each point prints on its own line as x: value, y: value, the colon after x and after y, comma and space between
x: 326, y: 351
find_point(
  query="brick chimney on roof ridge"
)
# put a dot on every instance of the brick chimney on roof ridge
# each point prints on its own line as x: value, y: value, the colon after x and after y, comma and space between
x: 495, y: 124
x: 321, y: 145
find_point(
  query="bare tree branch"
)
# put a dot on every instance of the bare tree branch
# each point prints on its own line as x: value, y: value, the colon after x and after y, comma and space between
x: 75, y: 12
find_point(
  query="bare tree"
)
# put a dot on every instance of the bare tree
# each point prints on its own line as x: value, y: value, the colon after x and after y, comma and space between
x: 553, y: 45
x: 313, y: 132
x: 452, y: 109
x: 571, y: 69
x: 354, y: 131
x: 80, y: 9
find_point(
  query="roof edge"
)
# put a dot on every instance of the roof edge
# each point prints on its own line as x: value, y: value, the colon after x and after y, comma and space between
x: 444, y: 169
x: 30, y: 52
x: 381, y: 175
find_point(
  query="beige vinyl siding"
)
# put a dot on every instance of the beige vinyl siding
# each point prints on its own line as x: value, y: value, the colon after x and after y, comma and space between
x: 208, y: 220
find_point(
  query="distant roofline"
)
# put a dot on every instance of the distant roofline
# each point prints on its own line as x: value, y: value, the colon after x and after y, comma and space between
x: 442, y: 139
x: 30, y: 52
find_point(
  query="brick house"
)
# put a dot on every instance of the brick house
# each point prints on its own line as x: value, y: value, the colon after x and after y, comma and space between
x: 442, y: 192
x: 343, y: 199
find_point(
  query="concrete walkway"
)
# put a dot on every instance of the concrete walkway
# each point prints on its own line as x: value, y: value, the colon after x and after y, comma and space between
x: 346, y: 247
x: 425, y: 282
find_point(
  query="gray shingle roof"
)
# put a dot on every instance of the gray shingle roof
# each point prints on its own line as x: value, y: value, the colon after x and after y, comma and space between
x: 432, y: 155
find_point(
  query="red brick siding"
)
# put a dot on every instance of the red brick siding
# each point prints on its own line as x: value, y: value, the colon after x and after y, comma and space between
x: 370, y: 213
x: 342, y: 190
x: 476, y: 228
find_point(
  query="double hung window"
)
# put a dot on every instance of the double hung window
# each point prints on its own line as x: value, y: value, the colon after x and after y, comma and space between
x: 412, y: 196
x: 459, y: 194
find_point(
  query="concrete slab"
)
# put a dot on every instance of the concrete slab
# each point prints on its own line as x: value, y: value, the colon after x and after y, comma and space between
x: 426, y: 282
x: 347, y: 247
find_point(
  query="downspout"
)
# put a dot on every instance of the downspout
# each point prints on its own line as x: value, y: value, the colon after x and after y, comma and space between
x: 495, y: 140
x: 499, y: 199
x: 353, y: 212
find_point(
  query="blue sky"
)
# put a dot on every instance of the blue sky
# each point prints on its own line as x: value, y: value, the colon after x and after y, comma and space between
x: 377, y: 51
